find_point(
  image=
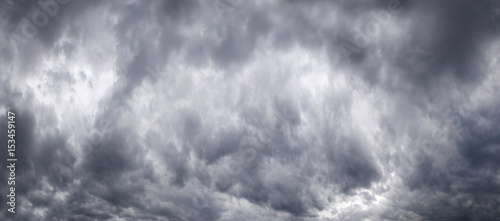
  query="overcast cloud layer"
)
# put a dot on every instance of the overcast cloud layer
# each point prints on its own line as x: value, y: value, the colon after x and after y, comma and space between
x: 252, y: 110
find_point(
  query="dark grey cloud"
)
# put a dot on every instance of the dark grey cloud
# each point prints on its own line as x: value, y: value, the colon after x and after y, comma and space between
x: 261, y: 110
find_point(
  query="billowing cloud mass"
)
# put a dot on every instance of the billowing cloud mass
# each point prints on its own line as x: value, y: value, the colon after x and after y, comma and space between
x: 251, y: 110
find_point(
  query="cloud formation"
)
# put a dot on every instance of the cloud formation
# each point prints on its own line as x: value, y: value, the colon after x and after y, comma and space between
x: 252, y: 110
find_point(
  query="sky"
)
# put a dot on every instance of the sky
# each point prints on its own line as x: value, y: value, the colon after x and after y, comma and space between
x: 215, y: 110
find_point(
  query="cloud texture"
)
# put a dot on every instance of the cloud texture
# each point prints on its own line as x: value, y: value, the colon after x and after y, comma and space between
x: 252, y: 110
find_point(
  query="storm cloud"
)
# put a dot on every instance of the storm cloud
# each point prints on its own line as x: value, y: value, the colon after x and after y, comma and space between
x: 252, y: 110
